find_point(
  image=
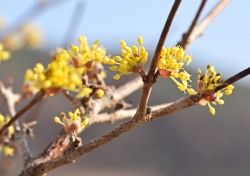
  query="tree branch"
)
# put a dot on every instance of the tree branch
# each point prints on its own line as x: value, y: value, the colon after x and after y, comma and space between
x: 11, y: 100
x: 146, y: 90
x: 39, y: 167
x: 74, y: 22
x: 198, y: 30
x: 119, y: 115
x: 127, y: 89
x: 184, y: 42
x: 115, y: 96
x: 35, y: 100
x: 74, y: 101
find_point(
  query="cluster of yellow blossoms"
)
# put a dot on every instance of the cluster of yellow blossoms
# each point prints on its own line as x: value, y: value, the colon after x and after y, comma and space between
x: 132, y: 60
x: 206, y: 85
x: 72, y: 123
x: 26, y: 35
x: 4, y: 55
x: 67, y: 68
x: 5, y: 146
x: 170, y: 65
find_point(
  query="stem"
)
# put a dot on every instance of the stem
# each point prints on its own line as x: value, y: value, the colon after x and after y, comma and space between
x: 74, y: 23
x: 163, y: 37
x: 74, y: 101
x: 148, y: 83
x: 35, y: 100
x: 233, y: 79
x: 200, y: 28
x: 127, y: 89
x: 185, y: 38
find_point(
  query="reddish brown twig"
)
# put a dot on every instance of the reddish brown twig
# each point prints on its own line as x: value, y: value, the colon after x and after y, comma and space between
x: 74, y: 23
x: 34, y: 101
x: 11, y: 100
x: 73, y: 100
x: 198, y: 29
x: 148, y: 83
x: 184, y: 42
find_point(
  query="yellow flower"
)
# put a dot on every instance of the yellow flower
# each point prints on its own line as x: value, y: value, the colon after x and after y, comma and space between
x: 8, y: 151
x: 4, y: 55
x: 206, y: 85
x: 3, y: 121
x: 67, y: 69
x: 99, y: 93
x: 132, y: 59
x: 170, y: 65
x: 31, y: 35
x: 83, y: 54
x: 74, y: 121
x: 5, y: 148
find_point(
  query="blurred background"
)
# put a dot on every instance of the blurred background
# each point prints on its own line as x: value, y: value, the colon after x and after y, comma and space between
x: 190, y: 142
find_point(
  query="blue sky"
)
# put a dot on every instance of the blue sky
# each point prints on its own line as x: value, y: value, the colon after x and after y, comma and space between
x: 225, y: 43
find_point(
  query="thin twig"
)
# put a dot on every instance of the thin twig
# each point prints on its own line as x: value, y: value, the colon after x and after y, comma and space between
x: 31, y: 13
x: 11, y: 100
x: 162, y: 38
x: 119, y: 115
x: 146, y: 90
x: 74, y: 23
x: 233, y: 79
x: 34, y: 101
x: 184, y: 42
x: 74, y: 101
x: 115, y: 96
x: 200, y: 28
x: 128, y: 88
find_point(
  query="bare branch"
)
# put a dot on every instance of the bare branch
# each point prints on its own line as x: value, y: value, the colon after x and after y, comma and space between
x: 148, y: 83
x: 32, y: 13
x: 127, y: 89
x: 233, y: 79
x: 74, y: 22
x: 34, y: 101
x: 119, y: 115
x: 115, y: 96
x: 10, y: 97
x: 200, y: 28
x: 163, y: 37
x: 74, y: 101
x: 184, y: 42
x: 11, y: 100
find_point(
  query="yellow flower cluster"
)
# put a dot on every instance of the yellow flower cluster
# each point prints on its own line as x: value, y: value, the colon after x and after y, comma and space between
x: 206, y: 85
x: 67, y: 68
x: 5, y: 146
x: 170, y: 65
x: 27, y: 35
x: 83, y: 54
x: 4, y: 55
x: 72, y: 123
x: 132, y: 60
